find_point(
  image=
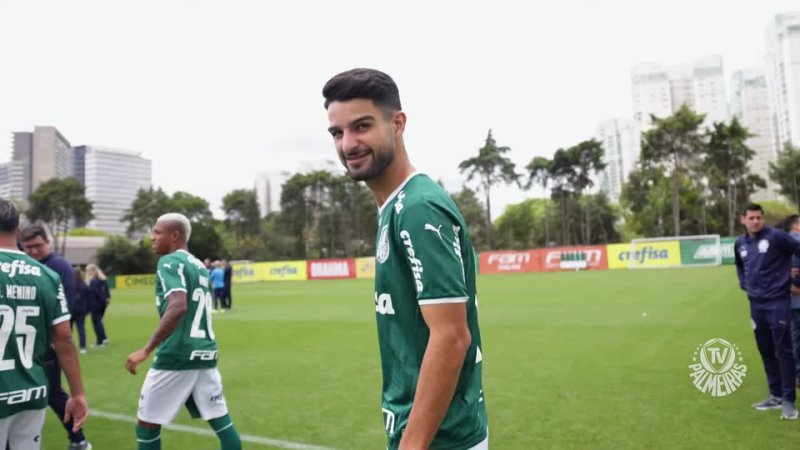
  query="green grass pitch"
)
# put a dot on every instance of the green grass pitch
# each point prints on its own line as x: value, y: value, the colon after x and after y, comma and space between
x: 570, y: 361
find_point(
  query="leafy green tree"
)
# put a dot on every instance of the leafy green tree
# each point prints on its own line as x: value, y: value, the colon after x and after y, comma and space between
x: 56, y: 202
x: 727, y: 171
x: 146, y: 208
x: 242, y: 215
x: 586, y: 159
x: 540, y: 171
x: 119, y: 256
x: 675, y: 144
x: 490, y: 167
x: 786, y: 172
x: 520, y: 225
x: 195, y: 208
x: 474, y: 213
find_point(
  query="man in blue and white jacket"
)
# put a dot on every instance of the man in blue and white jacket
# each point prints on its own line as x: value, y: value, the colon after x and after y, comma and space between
x: 763, y: 264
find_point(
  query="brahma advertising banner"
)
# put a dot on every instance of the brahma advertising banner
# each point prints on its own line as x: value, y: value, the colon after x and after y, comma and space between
x: 331, y: 269
x: 644, y: 255
x: 592, y: 257
x: 510, y: 261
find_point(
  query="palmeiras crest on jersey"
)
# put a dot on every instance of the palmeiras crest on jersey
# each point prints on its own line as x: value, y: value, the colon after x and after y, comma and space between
x: 383, y: 245
x: 717, y: 368
x: 763, y: 246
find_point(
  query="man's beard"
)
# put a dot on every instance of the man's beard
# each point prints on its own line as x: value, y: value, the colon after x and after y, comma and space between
x: 380, y: 161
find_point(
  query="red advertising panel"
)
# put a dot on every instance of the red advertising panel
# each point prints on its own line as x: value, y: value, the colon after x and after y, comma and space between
x: 329, y: 269
x: 591, y: 257
x: 510, y: 261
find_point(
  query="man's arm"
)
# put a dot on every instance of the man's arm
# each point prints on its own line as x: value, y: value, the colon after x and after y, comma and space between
x: 176, y: 308
x: 444, y: 356
x: 76, y: 407
x: 739, y: 266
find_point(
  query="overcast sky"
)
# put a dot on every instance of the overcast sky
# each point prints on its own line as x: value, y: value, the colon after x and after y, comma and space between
x: 214, y: 92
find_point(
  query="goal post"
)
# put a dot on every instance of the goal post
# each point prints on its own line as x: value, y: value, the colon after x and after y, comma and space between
x: 681, y: 251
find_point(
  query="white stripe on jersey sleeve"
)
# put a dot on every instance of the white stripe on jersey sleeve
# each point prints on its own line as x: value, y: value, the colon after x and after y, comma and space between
x: 61, y: 319
x: 174, y: 290
x: 439, y: 301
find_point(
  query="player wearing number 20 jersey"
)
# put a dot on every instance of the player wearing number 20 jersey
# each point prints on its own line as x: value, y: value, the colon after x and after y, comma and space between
x: 32, y: 301
x: 192, y: 344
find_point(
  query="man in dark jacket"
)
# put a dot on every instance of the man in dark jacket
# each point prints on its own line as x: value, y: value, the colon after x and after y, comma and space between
x: 763, y: 264
x: 226, y: 293
x: 37, y: 245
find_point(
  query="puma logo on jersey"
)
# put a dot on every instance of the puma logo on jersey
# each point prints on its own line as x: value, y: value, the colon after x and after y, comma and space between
x: 168, y: 265
x: 437, y: 230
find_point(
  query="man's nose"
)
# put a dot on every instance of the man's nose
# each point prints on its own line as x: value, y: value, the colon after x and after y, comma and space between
x: 349, y: 141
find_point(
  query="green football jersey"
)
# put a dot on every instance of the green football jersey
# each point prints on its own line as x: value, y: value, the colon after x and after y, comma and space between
x: 192, y: 344
x: 424, y: 257
x: 32, y: 302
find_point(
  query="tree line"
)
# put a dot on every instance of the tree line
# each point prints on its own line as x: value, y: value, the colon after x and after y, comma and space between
x: 688, y: 179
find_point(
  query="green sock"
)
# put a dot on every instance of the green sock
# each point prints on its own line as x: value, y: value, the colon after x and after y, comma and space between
x: 226, y: 432
x: 147, y: 439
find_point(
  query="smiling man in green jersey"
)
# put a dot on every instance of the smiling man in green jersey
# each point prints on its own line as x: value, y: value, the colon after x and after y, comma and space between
x: 33, y: 314
x: 425, y: 296
x: 184, y: 370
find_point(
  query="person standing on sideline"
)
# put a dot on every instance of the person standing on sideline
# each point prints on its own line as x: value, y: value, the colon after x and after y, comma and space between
x: 763, y: 264
x: 227, y: 299
x: 36, y: 244
x: 792, y: 226
x: 34, y: 319
x: 184, y: 371
x: 218, y: 284
x: 426, y: 304
x: 99, y: 299
x: 80, y: 308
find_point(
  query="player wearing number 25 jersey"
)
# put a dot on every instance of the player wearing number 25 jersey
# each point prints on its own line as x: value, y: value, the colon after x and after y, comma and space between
x: 184, y: 371
x: 33, y: 313
x: 426, y: 304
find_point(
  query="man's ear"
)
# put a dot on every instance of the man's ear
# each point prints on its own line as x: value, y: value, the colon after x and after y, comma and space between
x: 399, y: 120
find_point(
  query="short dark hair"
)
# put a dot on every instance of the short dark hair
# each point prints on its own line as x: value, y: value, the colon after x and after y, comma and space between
x: 789, y: 222
x: 9, y: 216
x: 368, y: 84
x: 33, y: 230
x: 753, y: 207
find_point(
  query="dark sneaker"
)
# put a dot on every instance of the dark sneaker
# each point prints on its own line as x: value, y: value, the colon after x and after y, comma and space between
x: 769, y: 403
x: 788, y: 411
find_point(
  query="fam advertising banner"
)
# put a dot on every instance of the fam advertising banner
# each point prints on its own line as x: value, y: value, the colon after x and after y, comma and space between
x: 510, y: 261
x: 365, y: 267
x: 645, y: 255
x: 285, y: 271
x: 331, y: 269
x: 591, y: 257
x: 247, y: 272
x: 135, y: 281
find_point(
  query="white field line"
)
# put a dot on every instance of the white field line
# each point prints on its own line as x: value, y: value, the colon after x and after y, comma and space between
x: 207, y: 432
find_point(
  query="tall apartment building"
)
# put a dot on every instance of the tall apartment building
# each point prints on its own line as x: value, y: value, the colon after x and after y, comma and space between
x: 112, y: 178
x: 661, y: 90
x: 783, y: 77
x: 750, y: 104
x: 43, y: 154
x: 621, y: 141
